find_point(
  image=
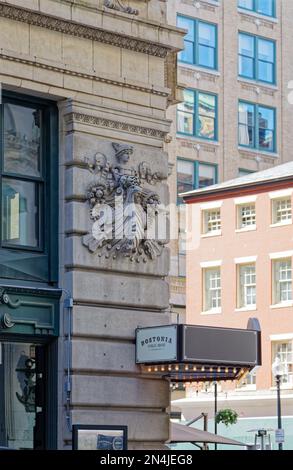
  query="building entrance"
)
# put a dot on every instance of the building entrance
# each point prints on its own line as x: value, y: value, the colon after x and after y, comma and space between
x: 23, y: 400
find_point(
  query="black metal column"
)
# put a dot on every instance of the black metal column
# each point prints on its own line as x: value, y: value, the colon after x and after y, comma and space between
x: 279, y: 411
x: 216, y: 409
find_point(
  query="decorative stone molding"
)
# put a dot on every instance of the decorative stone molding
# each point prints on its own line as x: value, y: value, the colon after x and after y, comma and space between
x: 120, y: 5
x: 116, y: 125
x: 76, y: 29
x: 208, y: 6
x: 70, y: 71
x: 258, y: 22
x: 210, y: 148
x: 259, y: 89
x: 197, y: 74
x: 18, y: 306
x: 123, y: 211
x: 255, y: 156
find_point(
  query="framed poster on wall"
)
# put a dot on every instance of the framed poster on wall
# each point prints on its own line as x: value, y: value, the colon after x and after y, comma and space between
x: 89, y: 437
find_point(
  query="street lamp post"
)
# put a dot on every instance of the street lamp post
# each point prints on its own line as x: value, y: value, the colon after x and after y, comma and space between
x: 277, y: 371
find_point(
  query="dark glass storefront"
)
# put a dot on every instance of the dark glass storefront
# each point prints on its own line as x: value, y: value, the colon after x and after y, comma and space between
x: 23, y: 383
x: 29, y: 297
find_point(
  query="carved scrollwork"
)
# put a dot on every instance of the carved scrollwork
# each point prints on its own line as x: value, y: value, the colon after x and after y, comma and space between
x: 120, y: 5
x: 4, y: 298
x: 123, y: 211
x: 6, y: 321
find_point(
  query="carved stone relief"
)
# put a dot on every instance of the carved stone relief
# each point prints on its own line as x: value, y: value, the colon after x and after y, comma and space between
x: 123, y: 211
x: 120, y: 5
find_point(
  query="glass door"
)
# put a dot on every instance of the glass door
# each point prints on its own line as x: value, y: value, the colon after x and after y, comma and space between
x: 22, y: 395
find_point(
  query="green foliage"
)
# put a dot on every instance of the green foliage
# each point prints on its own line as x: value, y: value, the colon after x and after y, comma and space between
x: 227, y: 417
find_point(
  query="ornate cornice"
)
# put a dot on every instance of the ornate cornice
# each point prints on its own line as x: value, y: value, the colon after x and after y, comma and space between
x: 69, y: 71
x: 115, y: 125
x: 77, y: 29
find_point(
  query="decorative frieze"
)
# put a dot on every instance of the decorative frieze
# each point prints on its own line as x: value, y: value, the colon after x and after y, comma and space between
x: 197, y: 146
x: 258, y: 22
x: 197, y: 75
x: 259, y: 89
x: 208, y: 6
x: 256, y: 156
x: 76, y: 29
x: 116, y: 125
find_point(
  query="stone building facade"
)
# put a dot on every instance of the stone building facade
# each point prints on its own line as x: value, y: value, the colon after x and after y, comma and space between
x: 85, y: 88
x: 222, y: 157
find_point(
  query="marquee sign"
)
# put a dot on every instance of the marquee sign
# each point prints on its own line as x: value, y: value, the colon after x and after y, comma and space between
x: 199, y: 353
x: 156, y: 344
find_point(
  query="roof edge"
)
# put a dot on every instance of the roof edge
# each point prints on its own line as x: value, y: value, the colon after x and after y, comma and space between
x: 243, y: 189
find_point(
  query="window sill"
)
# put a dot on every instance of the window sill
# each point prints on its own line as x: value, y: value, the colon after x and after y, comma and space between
x: 216, y: 233
x: 259, y: 16
x: 216, y: 3
x: 257, y: 153
x: 253, y: 308
x: 252, y: 228
x: 216, y: 311
x: 282, y: 305
x: 199, y: 69
x: 199, y: 140
x: 281, y: 224
x: 258, y: 83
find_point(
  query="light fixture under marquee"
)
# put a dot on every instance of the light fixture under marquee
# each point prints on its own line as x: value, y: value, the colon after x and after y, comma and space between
x: 188, y: 353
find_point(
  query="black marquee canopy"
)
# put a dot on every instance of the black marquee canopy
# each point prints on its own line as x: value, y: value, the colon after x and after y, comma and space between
x: 192, y: 353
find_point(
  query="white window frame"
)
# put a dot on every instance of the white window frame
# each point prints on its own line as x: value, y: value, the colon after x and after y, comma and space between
x: 215, y: 292
x: 283, y: 211
x: 211, y: 227
x: 277, y: 291
x: 242, y: 288
x: 248, y: 226
x: 286, y: 358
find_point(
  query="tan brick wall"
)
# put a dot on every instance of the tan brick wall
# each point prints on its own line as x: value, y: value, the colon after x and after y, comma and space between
x: 229, y: 88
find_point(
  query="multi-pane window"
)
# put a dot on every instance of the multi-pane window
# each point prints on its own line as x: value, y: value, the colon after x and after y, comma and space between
x: 212, y: 221
x: 263, y: 7
x: 194, y: 175
x: 257, y: 127
x: 257, y: 58
x: 212, y: 289
x: 282, y: 281
x: 246, y: 216
x: 197, y: 115
x: 247, y: 286
x: 284, y: 351
x: 200, y: 42
x: 28, y: 189
x: 282, y: 210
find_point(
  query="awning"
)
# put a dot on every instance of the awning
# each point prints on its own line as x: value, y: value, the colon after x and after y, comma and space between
x: 182, y: 433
